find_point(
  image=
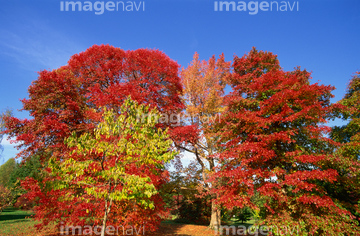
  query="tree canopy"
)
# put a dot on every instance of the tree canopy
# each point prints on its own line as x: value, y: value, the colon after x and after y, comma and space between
x: 274, y: 144
x: 70, y: 102
x: 113, y: 173
x: 5, y: 171
x: 3, y: 116
x: 99, y: 135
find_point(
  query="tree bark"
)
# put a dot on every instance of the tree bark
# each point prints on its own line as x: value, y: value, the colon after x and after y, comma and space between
x: 107, y: 210
x: 215, y: 220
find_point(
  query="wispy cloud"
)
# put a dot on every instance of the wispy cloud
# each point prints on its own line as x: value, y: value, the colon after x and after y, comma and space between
x: 7, y: 150
x: 6, y: 142
x: 37, y: 45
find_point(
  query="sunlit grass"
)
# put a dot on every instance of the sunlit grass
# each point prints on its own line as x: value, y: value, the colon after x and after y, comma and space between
x: 16, y: 222
x: 19, y: 222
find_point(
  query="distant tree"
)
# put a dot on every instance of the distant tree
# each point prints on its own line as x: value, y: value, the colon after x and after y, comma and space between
x: 5, y: 198
x: 29, y: 168
x: 3, y: 115
x: 6, y: 170
x: 347, y: 162
x: 183, y: 197
x: 244, y: 214
x: 350, y: 112
x: 179, y: 186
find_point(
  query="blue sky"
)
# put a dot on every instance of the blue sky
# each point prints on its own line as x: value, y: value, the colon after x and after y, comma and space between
x: 323, y: 37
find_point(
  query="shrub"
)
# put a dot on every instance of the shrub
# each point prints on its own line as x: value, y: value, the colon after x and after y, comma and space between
x: 24, y: 203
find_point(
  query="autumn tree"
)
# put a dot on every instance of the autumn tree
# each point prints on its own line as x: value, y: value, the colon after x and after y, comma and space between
x: 68, y: 100
x: 182, y: 196
x: 5, y: 198
x: 347, y: 188
x: 116, y: 167
x: 274, y: 144
x: 204, y: 85
x: 3, y: 116
x: 29, y: 168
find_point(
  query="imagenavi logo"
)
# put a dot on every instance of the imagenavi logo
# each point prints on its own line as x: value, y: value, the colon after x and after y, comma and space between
x: 253, y: 7
x: 99, y: 7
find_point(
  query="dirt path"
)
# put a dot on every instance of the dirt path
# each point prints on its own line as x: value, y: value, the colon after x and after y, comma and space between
x: 182, y: 230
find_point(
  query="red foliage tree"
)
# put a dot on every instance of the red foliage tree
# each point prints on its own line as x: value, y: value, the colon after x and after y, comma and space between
x: 275, y: 145
x: 68, y: 99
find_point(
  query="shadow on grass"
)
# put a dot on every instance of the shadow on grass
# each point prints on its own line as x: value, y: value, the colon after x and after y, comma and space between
x: 240, y: 224
x: 11, y: 214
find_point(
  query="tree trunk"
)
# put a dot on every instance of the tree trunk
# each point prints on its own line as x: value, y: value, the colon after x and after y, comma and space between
x: 107, y: 210
x: 215, y: 220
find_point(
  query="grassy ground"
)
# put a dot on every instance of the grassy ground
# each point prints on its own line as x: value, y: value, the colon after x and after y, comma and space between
x: 17, y: 222
x: 14, y: 222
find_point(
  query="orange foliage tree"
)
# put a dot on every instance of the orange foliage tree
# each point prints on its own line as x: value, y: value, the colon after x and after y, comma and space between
x: 204, y: 83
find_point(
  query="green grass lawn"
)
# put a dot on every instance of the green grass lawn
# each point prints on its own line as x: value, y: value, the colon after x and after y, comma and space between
x: 18, y: 222
x: 234, y: 221
x: 15, y: 222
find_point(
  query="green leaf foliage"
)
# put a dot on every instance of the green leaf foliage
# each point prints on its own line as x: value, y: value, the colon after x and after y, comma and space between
x: 6, y: 170
x: 114, y: 163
